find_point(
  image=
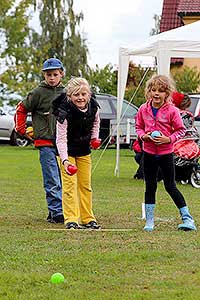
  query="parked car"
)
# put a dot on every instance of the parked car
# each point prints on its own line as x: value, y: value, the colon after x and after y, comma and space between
x: 108, y: 115
x: 195, y: 109
x: 7, y: 132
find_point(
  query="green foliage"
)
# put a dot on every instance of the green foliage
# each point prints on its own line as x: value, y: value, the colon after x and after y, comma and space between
x: 187, y: 80
x: 5, y: 4
x: 137, y: 78
x: 75, y: 48
x: 62, y: 36
x: 18, y: 52
x: 25, y: 49
x: 121, y: 261
x: 103, y: 80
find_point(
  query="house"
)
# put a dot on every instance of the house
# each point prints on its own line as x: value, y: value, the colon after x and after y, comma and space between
x: 176, y: 13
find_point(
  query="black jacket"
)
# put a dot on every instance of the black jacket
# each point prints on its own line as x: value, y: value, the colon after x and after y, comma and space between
x: 80, y: 123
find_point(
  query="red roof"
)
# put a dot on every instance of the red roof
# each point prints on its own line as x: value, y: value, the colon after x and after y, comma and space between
x: 174, y: 10
x: 172, y: 13
x: 188, y: 8
x: 169, y: 17
x: 171, y: 20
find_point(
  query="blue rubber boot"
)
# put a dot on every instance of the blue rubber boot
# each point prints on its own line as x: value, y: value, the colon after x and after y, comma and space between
x: 149, y: 211
x: 188, y: 222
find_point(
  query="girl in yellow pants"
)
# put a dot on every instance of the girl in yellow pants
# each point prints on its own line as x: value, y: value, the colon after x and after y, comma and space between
x: 77, y: 131
x: 77, y: 192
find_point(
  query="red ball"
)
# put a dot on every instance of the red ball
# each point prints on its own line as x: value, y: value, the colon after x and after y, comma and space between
x: 96, y: 143
x: 71, y: 170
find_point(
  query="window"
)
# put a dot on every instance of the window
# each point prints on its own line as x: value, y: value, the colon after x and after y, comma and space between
x: 195, y: 104
x: 128, y: 108
x: 105, y: 106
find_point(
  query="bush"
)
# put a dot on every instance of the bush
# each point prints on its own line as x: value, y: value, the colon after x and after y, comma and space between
x: 187, y: 80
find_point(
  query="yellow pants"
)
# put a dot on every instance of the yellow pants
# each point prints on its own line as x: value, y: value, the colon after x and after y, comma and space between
x: 77, y: 192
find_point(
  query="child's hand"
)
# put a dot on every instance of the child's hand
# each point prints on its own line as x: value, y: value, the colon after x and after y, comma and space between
x: 95, y: 143
x: 29, y: 134
x: 161, y: 140
x: 147, y: 137
x: 70, y: 168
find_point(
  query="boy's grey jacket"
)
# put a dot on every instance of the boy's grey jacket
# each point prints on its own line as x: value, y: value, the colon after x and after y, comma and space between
x: 39, y: 103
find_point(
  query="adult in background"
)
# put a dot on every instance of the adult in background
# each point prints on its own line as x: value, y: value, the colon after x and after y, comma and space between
x: 183, y: 102
x: 39, y: 102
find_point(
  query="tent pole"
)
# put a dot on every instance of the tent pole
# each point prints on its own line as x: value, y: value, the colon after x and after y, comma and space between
x: 117, y: 152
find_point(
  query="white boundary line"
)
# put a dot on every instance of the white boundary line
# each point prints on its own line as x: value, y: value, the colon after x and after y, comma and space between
x: 91, y: 230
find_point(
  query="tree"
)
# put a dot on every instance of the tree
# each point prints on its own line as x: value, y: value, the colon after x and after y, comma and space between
x: 103, y: 80
x: 187, y: 80
x: 25, y: 49
x: 75, y: 48
x: 62, y: 37
x: 137, y: 78
x: 17, y: 52
x: 156, y: 29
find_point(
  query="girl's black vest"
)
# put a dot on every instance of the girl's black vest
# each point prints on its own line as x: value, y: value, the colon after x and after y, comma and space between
x: 79, y: 124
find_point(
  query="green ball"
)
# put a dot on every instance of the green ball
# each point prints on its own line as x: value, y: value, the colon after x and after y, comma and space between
x: 57, y: 278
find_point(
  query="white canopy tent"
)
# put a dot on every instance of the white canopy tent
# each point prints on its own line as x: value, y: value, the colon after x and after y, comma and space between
x: 180, y: 42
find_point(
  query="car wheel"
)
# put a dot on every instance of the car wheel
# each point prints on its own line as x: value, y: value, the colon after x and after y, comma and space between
x: 195, y: 179
x: 18, y: 140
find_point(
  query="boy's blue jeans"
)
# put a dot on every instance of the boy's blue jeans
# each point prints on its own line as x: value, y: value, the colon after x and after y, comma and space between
x: 51, y: 180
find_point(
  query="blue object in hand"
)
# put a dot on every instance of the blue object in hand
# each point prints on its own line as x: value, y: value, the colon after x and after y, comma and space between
x: 155, y: 134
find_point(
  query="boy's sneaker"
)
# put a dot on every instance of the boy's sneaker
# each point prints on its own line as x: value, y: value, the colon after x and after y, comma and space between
x: 91, y: 225
x: 56, y: 219
x: 49, y: 217
x: 72, y: 225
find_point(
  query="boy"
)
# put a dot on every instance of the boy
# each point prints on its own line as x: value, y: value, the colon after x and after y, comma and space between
x: 38, y: 102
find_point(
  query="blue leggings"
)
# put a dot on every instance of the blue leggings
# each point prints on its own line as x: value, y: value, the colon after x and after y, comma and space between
x: 166, y: 164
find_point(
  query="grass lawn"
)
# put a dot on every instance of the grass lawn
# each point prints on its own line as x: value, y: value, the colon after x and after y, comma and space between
x: 122, y: 264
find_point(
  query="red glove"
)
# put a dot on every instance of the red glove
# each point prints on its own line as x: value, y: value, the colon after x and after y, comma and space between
x: 95, y: 143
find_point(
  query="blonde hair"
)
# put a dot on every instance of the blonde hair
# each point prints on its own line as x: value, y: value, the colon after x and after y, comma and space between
x: 75, y: 84
x: 160, y: 81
